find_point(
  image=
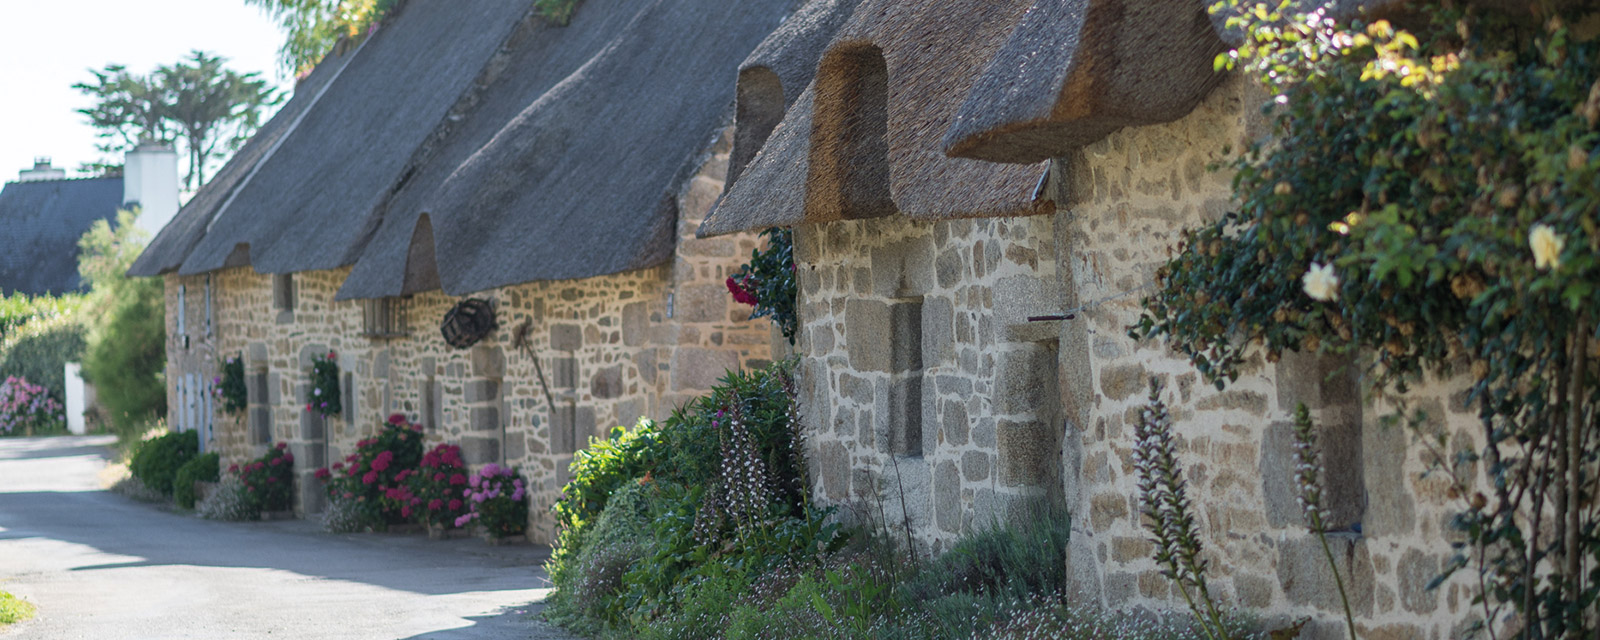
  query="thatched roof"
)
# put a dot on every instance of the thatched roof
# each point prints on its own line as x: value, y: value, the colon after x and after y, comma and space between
x: 43, y: 221
x: 864, y: 139
x: 568, y: 161
x: 172, y: 245
x: 305, y: 207
x: 1075, y: 70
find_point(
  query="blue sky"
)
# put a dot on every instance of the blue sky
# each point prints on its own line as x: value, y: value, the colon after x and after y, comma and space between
x: 47, y: 45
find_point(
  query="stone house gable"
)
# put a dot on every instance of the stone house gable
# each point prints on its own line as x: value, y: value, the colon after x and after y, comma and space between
x: 931, y: 385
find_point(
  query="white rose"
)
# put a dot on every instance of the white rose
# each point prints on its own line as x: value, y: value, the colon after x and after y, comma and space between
x: 1321, y: 283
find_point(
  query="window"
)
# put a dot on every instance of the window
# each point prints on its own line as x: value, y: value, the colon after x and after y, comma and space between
x: 905, y: 377
x: 382, y: 318
x: 208, y: 305
x: 183, y: 291
x: 283, y: 292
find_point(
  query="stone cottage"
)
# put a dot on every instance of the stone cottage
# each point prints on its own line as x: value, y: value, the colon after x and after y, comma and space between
x: 475, y: 151
x: 981, y: 191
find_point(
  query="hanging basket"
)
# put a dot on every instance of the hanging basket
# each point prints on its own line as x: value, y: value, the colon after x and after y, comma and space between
x: 467, y: 323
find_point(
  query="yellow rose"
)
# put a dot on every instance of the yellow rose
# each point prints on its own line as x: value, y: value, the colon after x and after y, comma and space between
x: 1321, y: 283
x: 1546, y: 246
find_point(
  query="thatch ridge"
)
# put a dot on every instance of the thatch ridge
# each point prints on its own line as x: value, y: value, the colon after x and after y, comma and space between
x: 305, y: 208
x: 570, y: 163
x: 171, y: 246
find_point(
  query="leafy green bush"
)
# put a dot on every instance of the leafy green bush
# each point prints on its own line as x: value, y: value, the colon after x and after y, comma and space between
x: 203, y: 468
x: 126, y: 351
x: 231, y: 386
x: 39, y: 350
x: 20, y: 309
x: 156, y: 461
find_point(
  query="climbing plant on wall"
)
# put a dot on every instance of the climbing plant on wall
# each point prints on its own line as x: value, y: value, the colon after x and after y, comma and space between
x: 767, y: 282
x: 230, y: 385
x: 1428, y: 201
x: 322, y: 394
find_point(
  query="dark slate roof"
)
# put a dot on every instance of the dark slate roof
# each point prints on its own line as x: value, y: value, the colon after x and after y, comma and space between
x: 172, y: 245
x: 42, y: 222
x: 568, y: 162
x: 306, y: 206
x: 865, y: 138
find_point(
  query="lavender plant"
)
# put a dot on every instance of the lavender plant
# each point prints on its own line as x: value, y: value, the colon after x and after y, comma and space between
x: 1165, y: 504
x: 1308, y: 478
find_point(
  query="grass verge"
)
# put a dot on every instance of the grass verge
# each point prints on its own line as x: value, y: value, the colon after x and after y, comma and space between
x: 14, y: 609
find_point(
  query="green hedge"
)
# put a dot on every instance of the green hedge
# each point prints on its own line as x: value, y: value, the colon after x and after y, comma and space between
x: 156, y: 461
x: 39, y: 350
x: 203, y: 468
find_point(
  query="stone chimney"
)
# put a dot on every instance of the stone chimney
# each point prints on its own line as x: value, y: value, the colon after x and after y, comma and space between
x: 150, y: 180
x: 41, y: 171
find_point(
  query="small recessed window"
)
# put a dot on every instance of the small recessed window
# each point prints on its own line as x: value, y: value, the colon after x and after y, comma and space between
x: 382, y: 318
x: 283, y: 292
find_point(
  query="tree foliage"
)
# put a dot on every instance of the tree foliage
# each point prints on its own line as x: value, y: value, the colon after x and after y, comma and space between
x: 313, y: 27
x: 211, y: 110
x: 126, y: 354
x: 1429, y: 201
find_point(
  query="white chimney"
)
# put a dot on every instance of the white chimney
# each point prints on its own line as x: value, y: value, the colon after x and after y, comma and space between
x: 150, y: 180
x: 41, y: 171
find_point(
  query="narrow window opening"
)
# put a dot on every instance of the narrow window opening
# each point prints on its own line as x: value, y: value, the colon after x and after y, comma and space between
x: 183, y: 291
x: 283, y: 293
x: 208, y: 305
x: 905, y: 377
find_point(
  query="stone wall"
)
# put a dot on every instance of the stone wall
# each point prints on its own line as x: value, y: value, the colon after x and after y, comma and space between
x: 923, y: 327
x: 611, y: 349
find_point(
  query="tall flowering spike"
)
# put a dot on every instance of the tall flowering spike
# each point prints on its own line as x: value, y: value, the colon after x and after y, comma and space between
x: 1308, y: 470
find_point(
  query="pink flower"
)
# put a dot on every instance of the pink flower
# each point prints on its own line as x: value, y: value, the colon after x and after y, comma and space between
x: 740, y: 294
x: 283, y: 445
x: 322, y: 474
x: 438, y: 477
x: 370, y: 477
x: 463, y: 520
x: 382, y: 461
x: 457, y: 479
x: 397, y: 418
x: 434, y: 504
x: 455, y: 505
x: 405, y: 512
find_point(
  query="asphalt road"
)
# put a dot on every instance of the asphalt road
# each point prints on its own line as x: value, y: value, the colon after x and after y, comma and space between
x: 100, y: 566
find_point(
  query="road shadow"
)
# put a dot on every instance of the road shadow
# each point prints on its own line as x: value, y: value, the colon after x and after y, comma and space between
x: 518, y: 622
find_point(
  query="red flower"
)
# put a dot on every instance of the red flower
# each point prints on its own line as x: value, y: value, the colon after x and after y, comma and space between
x: 405, y: 512
x: 233, y: 468
x: 276, y: 461
x: 457, y: 479
x: 740, y: 294
x: 434, y: 504
x: 322, y: 474
x: 382, y: 461
x: 455, y: 504
x: 438, y: 477
x: 397, y: 418
x: 332, y: 355
x: 370, y: 477
x: 283, y: 445
x: 272, y: 478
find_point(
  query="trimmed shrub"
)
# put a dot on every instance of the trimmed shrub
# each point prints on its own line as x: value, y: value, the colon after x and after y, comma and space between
x: 203, y: 468
x: 156, y: 461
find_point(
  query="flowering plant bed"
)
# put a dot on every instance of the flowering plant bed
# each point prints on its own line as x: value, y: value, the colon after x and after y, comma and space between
x: 27, y: 407
x: 498, y: 498
x: 323, y: 395
x: 269, y: 480
x: 434, y: 491
x: 373, y: 478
